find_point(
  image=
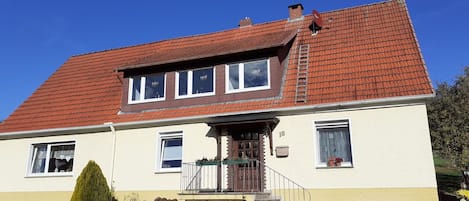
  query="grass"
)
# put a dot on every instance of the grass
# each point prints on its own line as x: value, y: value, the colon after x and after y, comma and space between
x: 447, y: 178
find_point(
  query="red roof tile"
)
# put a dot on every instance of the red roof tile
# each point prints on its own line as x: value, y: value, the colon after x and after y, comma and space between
x: 365, y: 52
x: 235, y: 44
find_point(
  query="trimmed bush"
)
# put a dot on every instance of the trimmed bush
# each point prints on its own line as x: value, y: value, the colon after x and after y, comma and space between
x: 164, y: 199
x: 91, y: 185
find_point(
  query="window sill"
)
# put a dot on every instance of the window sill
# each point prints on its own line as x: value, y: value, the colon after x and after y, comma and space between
x: 49, y: 175
x: 146, y: 101
x: 195, y: 95
x: 232, y: 91
x: 324, y: 166
x: 167, y: 171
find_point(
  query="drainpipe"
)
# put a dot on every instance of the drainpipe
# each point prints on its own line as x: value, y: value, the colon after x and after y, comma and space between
x: 113, y: 159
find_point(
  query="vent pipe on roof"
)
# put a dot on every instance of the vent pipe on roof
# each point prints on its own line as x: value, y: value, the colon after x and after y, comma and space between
x: 296, y: 12
x: 245, y: 22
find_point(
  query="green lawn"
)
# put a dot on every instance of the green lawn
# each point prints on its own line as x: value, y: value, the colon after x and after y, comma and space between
x: 448, y: 178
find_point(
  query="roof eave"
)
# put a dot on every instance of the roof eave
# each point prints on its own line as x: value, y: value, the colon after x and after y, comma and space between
x: 348, y: 105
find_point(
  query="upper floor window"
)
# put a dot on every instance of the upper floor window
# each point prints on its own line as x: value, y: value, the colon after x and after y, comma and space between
x: 52, y: 158
x: 248, y: 76
x: 334, y: 143
x: 146, y: 88
x: 193, y: 83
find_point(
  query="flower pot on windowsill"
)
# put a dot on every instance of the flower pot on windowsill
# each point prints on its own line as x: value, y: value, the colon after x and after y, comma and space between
x: 334, y: 162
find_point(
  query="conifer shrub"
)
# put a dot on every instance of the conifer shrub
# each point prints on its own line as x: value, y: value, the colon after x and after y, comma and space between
x: 91, y: 185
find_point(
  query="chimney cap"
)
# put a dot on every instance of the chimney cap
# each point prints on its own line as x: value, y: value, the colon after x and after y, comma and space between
x: 296, y: 6
x: 246, y: 21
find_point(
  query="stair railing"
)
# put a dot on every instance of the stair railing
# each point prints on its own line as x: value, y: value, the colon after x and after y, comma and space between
x: 241, y: 176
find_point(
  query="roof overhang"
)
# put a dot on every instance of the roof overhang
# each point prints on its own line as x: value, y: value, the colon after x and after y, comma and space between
x: 222, y: 47
x: 220, y: 119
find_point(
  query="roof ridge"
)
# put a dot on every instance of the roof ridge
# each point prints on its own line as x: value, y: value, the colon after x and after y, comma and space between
x: 221, y: 31
x: 177, y: 38
x: 359, y: 6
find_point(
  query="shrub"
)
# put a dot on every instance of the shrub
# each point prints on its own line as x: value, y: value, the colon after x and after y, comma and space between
x: 91, y: 185
x: 164, y: 199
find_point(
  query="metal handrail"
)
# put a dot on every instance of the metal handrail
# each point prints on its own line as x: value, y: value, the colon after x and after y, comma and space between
x: 287, y: 191
x: 241, y: 176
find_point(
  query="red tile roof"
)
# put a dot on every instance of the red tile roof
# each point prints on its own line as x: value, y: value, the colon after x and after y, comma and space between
x: 233, y: 43
x: 365, y: 52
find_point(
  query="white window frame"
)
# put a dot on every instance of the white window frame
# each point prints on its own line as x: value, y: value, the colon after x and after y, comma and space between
x: 32, y: 157
x: 159, y: 151
x: 241, y: 77
x: 189, y: 84
x: 142, y: 88
x: 316, y: 124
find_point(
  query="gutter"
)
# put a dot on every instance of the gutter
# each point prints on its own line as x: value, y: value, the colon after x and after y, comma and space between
x: 319, y: 108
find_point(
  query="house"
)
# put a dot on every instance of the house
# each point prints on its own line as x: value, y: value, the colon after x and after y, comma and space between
x: 318, y: 106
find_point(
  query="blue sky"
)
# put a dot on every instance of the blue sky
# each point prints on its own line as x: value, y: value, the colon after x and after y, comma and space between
x: 37, y: 37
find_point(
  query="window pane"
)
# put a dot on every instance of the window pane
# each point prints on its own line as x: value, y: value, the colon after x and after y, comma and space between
x: 234, y: 76
x: 154, y: 86
x: 334, y: 142
x: 255, y: 74
x: 182, y: 83
x: 202, y: 81
x: 61, y: 158
x: 136, y: 88
x: 39, y: 158
x: 172, y: 153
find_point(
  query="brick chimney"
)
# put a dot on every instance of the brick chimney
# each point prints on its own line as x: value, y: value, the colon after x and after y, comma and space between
x: 296, y: 12
x: 245, y: 22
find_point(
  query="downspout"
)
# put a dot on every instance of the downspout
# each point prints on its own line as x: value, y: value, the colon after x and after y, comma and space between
x: 113, y: 159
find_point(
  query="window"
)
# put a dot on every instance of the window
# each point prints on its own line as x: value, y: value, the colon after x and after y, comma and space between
x: 248, y: 76
x: 52, y: 158
x: 170, y: 152
x: 195, y: 83
x: 334, y: 143
x: 146, y: 88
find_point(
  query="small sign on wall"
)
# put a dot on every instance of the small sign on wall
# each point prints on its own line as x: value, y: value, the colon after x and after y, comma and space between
x: 281, y: 151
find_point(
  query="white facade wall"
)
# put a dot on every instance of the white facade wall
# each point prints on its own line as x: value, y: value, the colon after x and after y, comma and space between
x: 390, y: 149
x: 16, y: 155
x: 136, y: 156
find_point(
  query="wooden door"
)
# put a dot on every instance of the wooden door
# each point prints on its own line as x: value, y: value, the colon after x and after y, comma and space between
x: 248, y: 150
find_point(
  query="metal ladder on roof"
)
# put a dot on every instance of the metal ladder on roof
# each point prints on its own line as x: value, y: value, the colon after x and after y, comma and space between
x: 302, y: 74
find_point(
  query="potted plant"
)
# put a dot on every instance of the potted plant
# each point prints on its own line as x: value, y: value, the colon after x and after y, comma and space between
x: 334, y: 161
x: 204, y: 161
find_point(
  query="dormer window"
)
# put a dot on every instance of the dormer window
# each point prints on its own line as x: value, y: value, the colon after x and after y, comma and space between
x: 194, y: 83
x: 146, y: 88
x: 248, y: 76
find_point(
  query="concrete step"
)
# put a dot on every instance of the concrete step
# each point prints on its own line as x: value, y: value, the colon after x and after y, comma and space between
x: 265, y: 197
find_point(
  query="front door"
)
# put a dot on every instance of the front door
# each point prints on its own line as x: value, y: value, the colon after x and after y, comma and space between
x: 246, y: 172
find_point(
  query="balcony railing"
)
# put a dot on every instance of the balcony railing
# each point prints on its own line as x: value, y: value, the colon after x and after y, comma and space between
x: 242, y: 176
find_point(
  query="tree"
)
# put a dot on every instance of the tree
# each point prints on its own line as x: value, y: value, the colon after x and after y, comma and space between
x: 91, y: 185
x: 448, y: 115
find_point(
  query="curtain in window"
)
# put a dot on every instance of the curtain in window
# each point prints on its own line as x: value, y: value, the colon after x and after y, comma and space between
x: 233, y: 76
x: 136, y: 89
x: 334, y: 142
x: 202, y: 81
x: 39, y: 159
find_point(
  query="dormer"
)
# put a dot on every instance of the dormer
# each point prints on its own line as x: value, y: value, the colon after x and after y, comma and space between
x: 235, y: 65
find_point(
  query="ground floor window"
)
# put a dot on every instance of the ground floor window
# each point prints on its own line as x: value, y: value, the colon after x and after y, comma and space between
x: 52, y: 158
x: 334, y: 146
x: 170, y: 152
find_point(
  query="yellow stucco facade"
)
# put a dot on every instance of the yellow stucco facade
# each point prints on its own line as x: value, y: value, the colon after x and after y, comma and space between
x: 391, y: 151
